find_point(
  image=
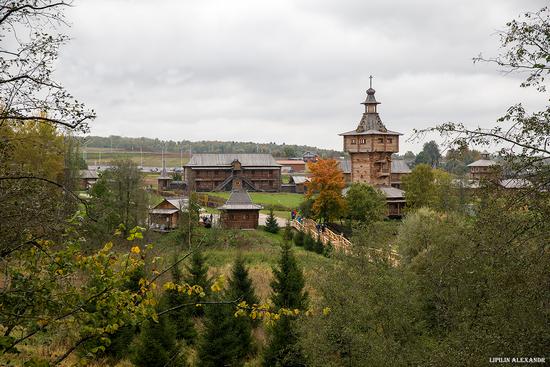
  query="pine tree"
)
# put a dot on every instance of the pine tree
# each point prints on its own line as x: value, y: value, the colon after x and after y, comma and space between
x: 299, y: 239
x: 156, y: 345
x: 198, y: 275
x: 309, y: 242
x: 271, y: 224
x: 227, y: 339
x: 288, y: 292
x: 118, y: 348
x: 181, y: 318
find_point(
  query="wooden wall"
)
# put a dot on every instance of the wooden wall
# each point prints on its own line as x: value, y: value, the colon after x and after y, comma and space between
x: 240, y: 219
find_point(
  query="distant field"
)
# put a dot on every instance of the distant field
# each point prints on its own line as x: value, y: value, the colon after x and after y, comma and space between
x: 154, y: 159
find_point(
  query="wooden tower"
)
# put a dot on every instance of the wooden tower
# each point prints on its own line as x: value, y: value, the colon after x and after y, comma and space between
x: 371, y: 145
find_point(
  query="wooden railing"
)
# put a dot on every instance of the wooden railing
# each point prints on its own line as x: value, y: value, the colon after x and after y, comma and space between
x: 338, y: 241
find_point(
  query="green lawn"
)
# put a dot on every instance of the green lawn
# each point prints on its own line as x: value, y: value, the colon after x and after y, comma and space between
x: 281, y: 200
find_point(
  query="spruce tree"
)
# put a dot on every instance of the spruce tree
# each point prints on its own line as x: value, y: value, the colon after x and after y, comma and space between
x: 309, y: 242
x: 288, y: 292
x: 299, y: 239
x: 271, y: 224
x: 118, y: 348
x: 156, y: 345
x: 198, y: 275
x: 227, y: 339
x: 181, y: 318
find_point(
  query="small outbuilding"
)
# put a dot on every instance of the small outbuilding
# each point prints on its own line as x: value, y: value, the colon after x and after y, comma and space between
x: 484, y: 168
x: 239, y: 212
x: 88, y: 178
x: 299, y: 182
x: 165, y: 216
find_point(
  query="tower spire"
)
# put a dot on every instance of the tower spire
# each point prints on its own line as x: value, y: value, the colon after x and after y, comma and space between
x: 370, y: 77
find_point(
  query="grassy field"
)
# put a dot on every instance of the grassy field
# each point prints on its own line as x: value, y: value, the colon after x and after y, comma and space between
x: 281, y: 200
x: 152, y: 159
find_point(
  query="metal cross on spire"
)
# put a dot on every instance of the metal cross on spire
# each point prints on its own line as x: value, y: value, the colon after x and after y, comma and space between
x: 370, y: 77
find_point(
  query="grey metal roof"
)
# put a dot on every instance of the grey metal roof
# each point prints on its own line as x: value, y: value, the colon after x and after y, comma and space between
x: 345, y: 166
x: 239, y: 200
x: 300, y: 179
x: 225, y: 160
x: 163, y: 211
x: 88, y: 174
x: 399, y: 166
x: 180, y: 203
x: 515, y: 183
x: 392, y: 192
x: 370, y: 132
x: 483, y: 163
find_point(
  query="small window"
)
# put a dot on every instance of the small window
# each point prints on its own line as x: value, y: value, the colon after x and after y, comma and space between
x: 390, y: 140
x: 363, y: 141
x: 380, y: 140
x: 353, y: 141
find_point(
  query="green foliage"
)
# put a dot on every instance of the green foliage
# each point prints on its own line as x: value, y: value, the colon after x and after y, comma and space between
x: 288, y: 234
x: 374, y: 317
x: 329, y: 248
x: 198, y: 275
x: 181, y: 318
x: 156, y: 145
x: 419, y: 187
x: 319, y: 247
x: 271, y: 224
x: 429, y: 155
x: 118, y: 197
x: 288, y: 292
x: 299, y: 238
x: 309, y: 242
x: 227, y: 339
x: 156, y: 345
x: 365, y: 203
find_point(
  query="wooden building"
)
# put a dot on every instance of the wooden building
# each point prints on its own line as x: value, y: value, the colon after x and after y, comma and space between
x: 239, y: 212
x: 300, y: 183
x: 310, y: 157
x: 292, y: 165
x: 484, y: 168
x: 399, y: 169
x: 165, y: 216
x: 216, y: 172
x: 371, y: 146
x: 88, y: 178
x: 395, y: 199
x: 164, y: 180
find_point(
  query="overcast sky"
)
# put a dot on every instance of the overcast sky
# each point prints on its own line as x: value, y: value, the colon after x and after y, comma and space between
x: 290, y: 71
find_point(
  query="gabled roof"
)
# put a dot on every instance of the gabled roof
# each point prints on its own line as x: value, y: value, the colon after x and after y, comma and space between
x: 177, y: 203
x: 300, y: 179
x: 88, y: 174
x: 515, y: 183
x: 483, y: 163
x: 225, y: 160
x: 239, y: 200
x: 399, y: 166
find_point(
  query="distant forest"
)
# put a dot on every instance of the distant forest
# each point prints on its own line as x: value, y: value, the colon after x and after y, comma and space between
x: 156, y: 145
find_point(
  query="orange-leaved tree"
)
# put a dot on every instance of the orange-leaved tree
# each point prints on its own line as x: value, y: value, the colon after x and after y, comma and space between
x: 325, y: 188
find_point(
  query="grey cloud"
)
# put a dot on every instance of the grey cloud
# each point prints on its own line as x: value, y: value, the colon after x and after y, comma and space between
x: 286, y: 71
